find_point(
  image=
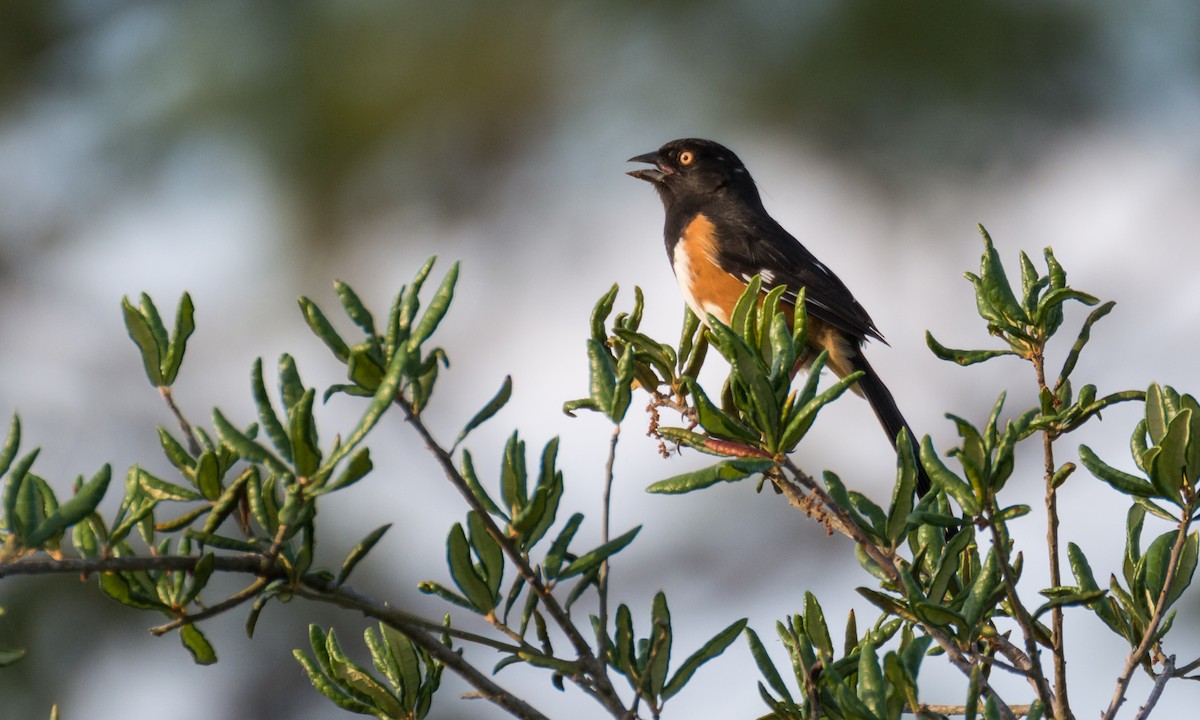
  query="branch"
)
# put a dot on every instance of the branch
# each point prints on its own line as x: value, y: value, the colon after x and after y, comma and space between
x: 1167, y: 673
x: 1020, y: 613
x: 603, y: 690
x: 418, y: 630
x: 840, y: 520
x: 602, y: 576
x: 1135, y: 657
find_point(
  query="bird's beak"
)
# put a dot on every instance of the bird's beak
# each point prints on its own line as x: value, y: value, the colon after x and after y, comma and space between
x: 652, y: 175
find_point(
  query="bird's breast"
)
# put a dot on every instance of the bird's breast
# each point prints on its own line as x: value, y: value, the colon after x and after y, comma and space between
x: 706, y: 286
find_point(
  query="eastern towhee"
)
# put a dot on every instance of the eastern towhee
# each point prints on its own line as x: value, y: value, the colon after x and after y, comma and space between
x: 719, y: 236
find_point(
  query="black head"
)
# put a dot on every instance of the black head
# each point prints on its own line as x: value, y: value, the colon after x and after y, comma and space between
x: 692, y: 168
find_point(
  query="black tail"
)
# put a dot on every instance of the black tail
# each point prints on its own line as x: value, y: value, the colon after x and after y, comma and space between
x: 889, y: 415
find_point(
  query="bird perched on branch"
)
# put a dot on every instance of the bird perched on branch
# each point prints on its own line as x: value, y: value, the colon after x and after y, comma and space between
x: 719, y: 236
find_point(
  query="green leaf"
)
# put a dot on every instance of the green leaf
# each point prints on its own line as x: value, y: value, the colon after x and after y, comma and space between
x: 950, y: 483
x: 302, y: 431
x: 323, y: 329
x: 714, y: 420
x: 11, y: 442
x: 491, y: 556
x: 1119, y: 480
x: 994, y: 283
x: 816, y: 628
x: 708, y: 651
x: 384, y: 396
x: 246, y: 448
x: 185, y: 324
x: 658, y: 655
x: 356, y: 469
x: 142, y: 334
x: 962, y: 357
x: 202, y: 651
x: 603, y: 375
x: 558, y: 549
x: 355, y: 309
x: 765, y: 666
x: 160, y: 489
x: 601, y: 312
x: 803, y: 419
x: 591, y: 560
x: 266, y: 413
x: 871, y: 688
x: 462, y: 569
x: 438, y: 306
x: 1085, y: 334
x: 902, y: 493
x: 725, y: 471
x: 493, y: 406
x: 359, y: 552
x: 82, y: 504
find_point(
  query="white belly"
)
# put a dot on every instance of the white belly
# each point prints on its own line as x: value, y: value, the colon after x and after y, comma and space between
x: 684, y: 275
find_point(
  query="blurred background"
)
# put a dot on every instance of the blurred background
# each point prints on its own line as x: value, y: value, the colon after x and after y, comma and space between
x: 253, y: 152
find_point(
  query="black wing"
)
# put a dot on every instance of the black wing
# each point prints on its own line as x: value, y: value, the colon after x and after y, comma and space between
x: 761, y: 246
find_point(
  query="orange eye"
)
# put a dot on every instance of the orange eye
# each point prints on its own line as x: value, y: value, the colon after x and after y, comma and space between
x: 686, y: 157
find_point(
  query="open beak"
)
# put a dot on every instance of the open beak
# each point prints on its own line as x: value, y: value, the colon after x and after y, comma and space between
x: 652, y: 175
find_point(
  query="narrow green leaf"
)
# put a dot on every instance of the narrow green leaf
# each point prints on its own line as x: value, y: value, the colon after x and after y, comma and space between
x: 708, y: 651
x: 725, y: 471
x: 1085, y: 334
x: 714, y: 420
x: 902, y: 493
x: 82, y: 504
x: 489, y: 552
x: 185, y: 325
x: 355, y: 308
x: 302, y: 432
x: 591, y: 560
x: 962, y: 357
x: 142, y: 334
x: 438, y: 305
x: 266, y: 413
x: 359, y: 551
x: 323, y: 329
x: 994, y: 283
x: 11, y: 443
x: 201, y: 649
x: 558, y: 549
x: 462, y: 569
x: 1119, y: 480
x: 601, y: 312
x: 943, y: 478
x: 493, y: 406
x: 603, y: 376
x: 766, y: 667
x: 816, y: 628
x: 384, y: 396
x: 160, y: 489
x: 244, y: 446
x: 871, y: 688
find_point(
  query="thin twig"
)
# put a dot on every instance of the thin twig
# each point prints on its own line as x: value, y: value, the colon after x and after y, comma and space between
x: 1020, y: 613
x: 1167, y: 673
x: 602, y: 575
x: 1062, y: 706
x: 184, y: 425
x: 604, y: 690
x: 883, y: 558
x: 1018, y: 710
x: 1160, y: 609
x: 246, y: 593
x: 420, y: 631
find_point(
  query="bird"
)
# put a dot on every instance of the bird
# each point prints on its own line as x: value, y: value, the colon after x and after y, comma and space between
x: 719, y: 236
